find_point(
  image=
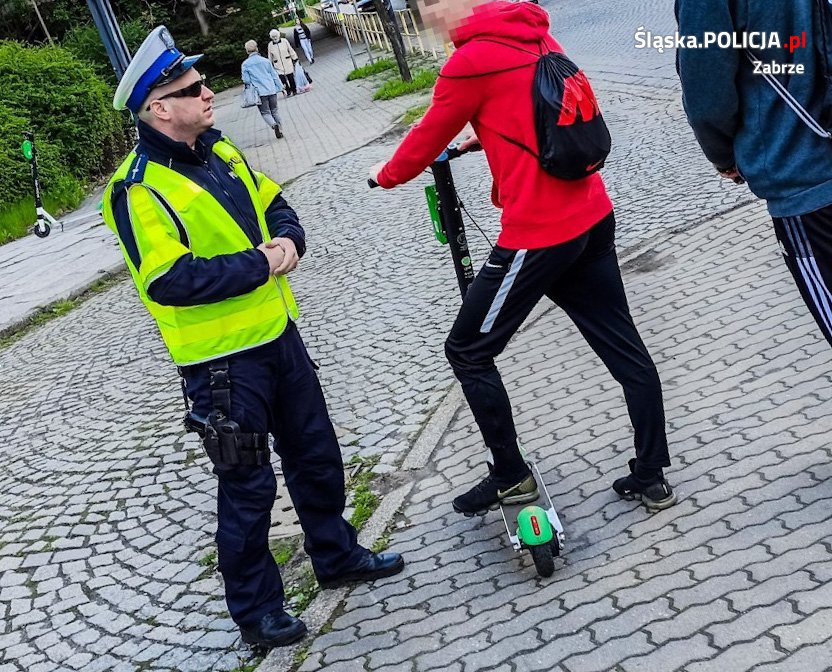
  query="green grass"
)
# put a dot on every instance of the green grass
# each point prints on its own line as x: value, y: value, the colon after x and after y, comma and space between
x: 248, y: 667
x: 283, y: 550
x: 364, y: 500
x: 371, y: 69
x: 16, y: 219
x: 53, y: 310
x: 210, y: 560
x: 381, y: 544
x: 422, y: 79
x: 301, y: 591
x: 414, y: 114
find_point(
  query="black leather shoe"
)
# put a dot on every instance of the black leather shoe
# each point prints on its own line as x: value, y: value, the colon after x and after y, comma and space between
x: 275, y: 629
x: 374, y: 566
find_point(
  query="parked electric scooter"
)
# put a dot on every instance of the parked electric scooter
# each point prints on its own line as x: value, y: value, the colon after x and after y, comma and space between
x: 535, y: 526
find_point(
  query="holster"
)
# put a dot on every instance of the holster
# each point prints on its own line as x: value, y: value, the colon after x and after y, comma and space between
x: 224, y: 443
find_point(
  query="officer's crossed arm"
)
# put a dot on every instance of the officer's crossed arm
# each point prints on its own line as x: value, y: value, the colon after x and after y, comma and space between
x: 170, y: 274
x: 282, y: 221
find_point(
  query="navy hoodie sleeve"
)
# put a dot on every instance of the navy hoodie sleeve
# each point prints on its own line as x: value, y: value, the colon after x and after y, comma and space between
x: 283, y: 222
x: 708, y: 76
x: 193, y: 281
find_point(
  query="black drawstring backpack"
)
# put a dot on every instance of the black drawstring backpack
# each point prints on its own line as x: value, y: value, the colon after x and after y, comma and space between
x: 572, y: 137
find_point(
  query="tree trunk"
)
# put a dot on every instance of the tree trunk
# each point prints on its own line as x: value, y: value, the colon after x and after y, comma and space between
x: 200, y: 11
x: 391, y: 29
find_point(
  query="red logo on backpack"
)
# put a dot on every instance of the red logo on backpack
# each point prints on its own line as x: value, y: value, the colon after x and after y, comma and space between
x: 578, y: 100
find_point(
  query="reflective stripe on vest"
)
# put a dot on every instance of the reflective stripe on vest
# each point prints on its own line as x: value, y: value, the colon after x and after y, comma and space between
x: 195, y: 334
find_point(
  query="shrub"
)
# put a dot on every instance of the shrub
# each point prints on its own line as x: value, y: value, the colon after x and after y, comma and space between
x: 422, y: 79
x: 66, y: 104
x: 85, y: 43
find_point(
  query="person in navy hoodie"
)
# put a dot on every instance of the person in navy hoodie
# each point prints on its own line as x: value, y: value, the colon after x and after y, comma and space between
x: 557, y: 241
x: 749, y: 132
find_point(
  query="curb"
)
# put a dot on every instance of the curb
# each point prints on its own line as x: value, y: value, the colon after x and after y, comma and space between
x: 320, y: 611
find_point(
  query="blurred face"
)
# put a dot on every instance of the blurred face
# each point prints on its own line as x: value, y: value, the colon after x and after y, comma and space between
x: 443, y: 16
x: 184, y: 107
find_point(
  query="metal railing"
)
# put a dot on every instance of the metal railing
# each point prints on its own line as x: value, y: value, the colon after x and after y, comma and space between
x: 415, y: 40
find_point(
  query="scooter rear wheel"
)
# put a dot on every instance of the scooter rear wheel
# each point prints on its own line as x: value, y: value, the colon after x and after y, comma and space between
x: 42, y: 232
x: 544, y: 561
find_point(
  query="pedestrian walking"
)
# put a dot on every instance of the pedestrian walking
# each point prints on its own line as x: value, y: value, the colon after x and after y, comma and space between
x: 303, y: 40
x: 209, y: 243
x: 259, y: 73
x: 283, y: 58
x: 771, y: 131
x: 557, y: 241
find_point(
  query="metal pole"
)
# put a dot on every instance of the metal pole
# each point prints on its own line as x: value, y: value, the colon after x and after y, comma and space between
x: 361, y: 26
x: 105, y: 21
x: 340, y: 18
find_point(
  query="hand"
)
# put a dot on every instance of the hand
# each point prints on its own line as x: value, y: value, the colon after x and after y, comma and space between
x: 375, y: 170
x: 732, y: 174
x: 290, y: 255
x: 274, y: 255
x: 471, y: 141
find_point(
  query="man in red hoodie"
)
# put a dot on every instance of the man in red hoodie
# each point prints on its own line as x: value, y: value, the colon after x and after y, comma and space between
x: 557, y: 240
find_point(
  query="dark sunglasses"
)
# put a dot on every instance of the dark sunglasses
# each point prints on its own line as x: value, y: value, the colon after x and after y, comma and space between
x: 191, y: 91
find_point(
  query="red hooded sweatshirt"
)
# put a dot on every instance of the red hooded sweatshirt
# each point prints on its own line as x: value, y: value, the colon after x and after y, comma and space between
x: 481, y: 83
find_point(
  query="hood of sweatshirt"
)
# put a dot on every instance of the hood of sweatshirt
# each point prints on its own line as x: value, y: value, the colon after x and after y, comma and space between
x: 508, y: 21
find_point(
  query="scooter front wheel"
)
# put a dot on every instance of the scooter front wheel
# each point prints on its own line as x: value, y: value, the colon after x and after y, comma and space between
x: 544, y: 560
x: 42, y: 232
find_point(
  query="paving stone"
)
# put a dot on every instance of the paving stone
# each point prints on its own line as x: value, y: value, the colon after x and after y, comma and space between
x: 741, y: 657
x: 809, y: 659
x: 809, y: 631
x: 672, y: 655
x: 607, y: 656
x: 752, y: 624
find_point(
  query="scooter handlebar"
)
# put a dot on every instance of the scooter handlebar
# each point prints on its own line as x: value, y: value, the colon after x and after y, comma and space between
x: 452, y: 152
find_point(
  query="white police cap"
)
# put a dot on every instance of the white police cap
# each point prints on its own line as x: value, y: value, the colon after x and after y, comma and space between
x: 156, y: 62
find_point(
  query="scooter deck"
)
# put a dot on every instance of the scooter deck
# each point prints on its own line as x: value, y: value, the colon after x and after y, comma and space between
x: 544, y: 501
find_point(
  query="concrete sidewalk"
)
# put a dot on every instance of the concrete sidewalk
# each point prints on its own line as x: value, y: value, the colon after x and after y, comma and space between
x: 334, y: 118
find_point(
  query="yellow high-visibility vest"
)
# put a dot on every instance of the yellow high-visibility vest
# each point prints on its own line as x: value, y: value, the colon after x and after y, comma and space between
x: 195, y: 334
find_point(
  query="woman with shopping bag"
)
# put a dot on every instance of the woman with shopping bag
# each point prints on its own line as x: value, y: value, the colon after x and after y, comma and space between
x: 262, y: 83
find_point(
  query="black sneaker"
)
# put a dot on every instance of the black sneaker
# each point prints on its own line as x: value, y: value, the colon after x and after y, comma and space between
x: 486, y: 496
x: 656, y: 495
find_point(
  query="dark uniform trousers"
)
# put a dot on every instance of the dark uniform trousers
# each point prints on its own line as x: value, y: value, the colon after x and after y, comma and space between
x: 582, y: 277
x: 274, y: 389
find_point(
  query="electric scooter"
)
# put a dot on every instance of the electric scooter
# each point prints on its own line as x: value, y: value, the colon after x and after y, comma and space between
x: 534, y: 526
x: 45, y: 221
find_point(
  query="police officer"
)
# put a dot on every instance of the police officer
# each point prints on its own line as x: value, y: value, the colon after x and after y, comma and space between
x: 209, y: 241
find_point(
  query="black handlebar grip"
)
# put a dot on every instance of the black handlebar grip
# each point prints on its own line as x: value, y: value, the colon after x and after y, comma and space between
x: 373, y: 184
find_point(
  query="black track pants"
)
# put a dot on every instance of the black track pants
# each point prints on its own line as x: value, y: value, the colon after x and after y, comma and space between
x: 806, y: 243
x: 583, y: 278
